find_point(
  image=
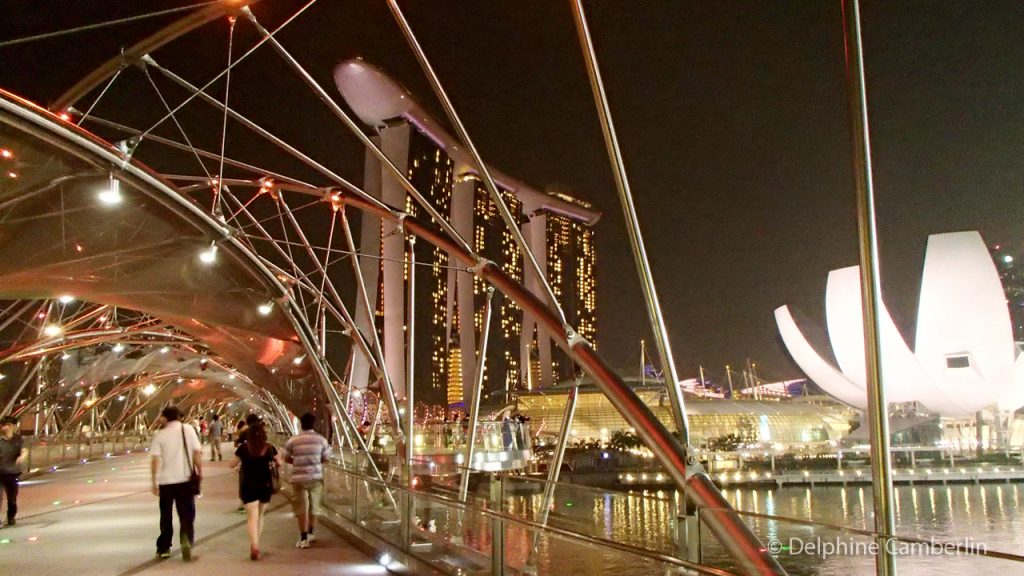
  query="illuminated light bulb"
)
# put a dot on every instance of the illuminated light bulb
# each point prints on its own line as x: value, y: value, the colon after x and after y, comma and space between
x: 298, y: 359
x: 385, y: 559
x: 65, y: 356
x: 52, y: 330
x: 208, y: 256
x: 149, y: 390
x: 6, y: 154
x: 66, y: 299
x: 118, y: 347
x: 65, y: 116
x: 110, y: 196
x: 12, y: 174
x: 266, y: 308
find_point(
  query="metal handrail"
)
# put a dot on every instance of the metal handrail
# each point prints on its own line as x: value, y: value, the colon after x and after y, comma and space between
x: 505, y: 517
x: 789, y: 519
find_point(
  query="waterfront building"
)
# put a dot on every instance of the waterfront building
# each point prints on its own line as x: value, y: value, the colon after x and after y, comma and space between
x: 789, y: 424
x: 557, y: 227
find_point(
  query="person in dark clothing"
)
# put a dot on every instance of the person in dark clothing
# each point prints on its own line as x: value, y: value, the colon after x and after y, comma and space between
x: 253, y: 461
x: 240, y: 436
x: 12, y: 454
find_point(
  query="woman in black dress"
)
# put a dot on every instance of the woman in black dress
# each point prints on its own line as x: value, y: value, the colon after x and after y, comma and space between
x: 254, y: 459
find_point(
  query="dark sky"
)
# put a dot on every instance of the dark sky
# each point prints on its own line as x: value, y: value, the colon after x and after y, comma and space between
x: 732, y: 117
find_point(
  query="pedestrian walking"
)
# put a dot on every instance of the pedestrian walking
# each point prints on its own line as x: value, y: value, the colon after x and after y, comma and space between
x: 174, y: 454
x: 306, y: 452
x: 253, y: 461
x: 216, y: 437
x: 12, y: 455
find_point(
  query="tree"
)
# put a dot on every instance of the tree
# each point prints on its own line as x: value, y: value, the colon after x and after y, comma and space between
x: 624, y: 440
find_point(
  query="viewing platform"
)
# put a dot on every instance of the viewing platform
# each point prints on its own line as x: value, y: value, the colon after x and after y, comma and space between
x: 440, y: 448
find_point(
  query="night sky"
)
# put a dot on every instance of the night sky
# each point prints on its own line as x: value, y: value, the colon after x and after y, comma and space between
x: 733, y: 118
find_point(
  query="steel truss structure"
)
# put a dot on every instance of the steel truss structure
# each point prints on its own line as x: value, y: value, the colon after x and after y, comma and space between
x: 228, y: 279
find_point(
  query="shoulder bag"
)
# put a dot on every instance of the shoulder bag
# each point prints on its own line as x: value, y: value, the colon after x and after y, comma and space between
x: 194, y: 479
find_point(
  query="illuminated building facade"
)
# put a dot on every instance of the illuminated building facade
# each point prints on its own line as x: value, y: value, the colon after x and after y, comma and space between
x: 557, y: 227
x: 1008, y: 264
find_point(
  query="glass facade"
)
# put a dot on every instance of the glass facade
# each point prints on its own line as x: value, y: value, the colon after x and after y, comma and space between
x: 764, y: 422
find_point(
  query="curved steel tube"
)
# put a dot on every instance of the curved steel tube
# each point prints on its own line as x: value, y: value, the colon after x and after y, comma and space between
x: 145, y: 46
x: 734, y: 535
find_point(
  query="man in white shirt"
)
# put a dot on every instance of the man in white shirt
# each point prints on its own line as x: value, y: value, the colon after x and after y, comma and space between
x: 174, y: 452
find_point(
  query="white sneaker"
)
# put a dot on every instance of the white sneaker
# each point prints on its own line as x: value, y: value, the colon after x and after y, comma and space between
x: 304, y: 543
x: 311, y: 537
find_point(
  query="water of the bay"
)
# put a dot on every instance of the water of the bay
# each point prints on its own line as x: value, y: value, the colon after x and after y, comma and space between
x: 987, y: 516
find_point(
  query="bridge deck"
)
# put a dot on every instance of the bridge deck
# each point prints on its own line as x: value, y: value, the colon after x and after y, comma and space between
x: 100, y: 519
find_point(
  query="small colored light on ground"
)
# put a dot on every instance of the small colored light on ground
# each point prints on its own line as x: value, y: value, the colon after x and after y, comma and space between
x: 56, y: 502
x: 5, y: 541
x: 568, y: 504
x: 33, y: 538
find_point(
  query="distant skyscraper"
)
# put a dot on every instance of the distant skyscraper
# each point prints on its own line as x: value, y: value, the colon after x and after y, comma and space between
x: 1012, y: 276
x: 557, y: 227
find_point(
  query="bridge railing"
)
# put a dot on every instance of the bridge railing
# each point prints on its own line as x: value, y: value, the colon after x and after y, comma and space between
x: 47, y: 453
x: 482, y: 535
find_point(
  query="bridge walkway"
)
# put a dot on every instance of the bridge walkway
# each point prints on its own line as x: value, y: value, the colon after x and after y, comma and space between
x: 100, y: 519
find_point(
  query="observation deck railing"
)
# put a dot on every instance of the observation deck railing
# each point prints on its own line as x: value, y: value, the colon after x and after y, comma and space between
x: 439, y: 447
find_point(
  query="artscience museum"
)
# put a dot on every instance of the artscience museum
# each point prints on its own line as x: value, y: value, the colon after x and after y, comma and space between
x: 963, y: 358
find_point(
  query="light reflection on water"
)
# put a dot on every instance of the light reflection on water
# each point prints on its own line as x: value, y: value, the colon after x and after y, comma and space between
x: 977, y: 515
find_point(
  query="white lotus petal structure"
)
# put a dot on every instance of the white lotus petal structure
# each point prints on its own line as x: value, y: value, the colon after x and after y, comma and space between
x: 964, y: 355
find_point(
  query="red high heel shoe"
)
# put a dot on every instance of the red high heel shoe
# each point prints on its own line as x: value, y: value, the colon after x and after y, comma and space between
x: 254, y: 553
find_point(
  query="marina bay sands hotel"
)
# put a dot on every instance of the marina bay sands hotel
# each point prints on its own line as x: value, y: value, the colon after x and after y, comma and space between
x: 557, y: 227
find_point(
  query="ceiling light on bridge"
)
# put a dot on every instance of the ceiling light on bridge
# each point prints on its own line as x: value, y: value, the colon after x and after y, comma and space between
x: 180, y: 380
x: 384, y: 559
x: 231, y: 376
x: 118, y: 347
x: 120, y: 398
x: 65, y: 356
x: 6, y: 154
x: 298, y: 360
x: 266, y: 308
x: 111, y: 195
x: 209, y: 256
x: 149, y: 390
x: 165, y: 349
x: 66, y: 299
x: 78, y: 394
x: 52, y: 330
